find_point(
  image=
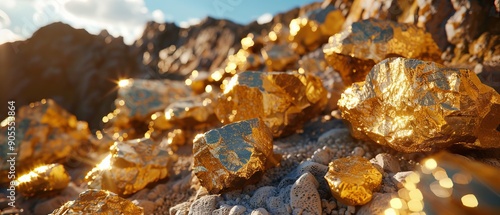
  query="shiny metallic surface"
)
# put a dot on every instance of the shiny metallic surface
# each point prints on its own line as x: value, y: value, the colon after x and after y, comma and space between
x: 229, y: 156
x: 285, y: 101
x: 354, y: 51
x: 413, y: 106
x: 352, y: 180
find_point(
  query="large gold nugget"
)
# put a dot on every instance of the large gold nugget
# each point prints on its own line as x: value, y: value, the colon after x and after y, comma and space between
x: 99, y: 202
x: 130, y: 166
x: 45, y: 133
x: 447, y: 183
x: 45, y: 178
x: 353, y: 179
x: 354, y: 51
x: 227, y: 157
x: 283, y: 100
x: 413, y: 105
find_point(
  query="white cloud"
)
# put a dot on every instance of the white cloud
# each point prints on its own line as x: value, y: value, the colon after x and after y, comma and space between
x: 189, y: 22
x: 158, y: 16
x: 125, y: 18
x: 7, y: 35
x: 264, y: 18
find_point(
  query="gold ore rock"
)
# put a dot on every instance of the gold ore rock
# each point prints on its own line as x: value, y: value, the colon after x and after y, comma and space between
x: 99, y: 202
x: 228, y: 157
x: 283, y: 100
x: 354, y: 51
x: 353, y: 179
x: 413, y: 105
x: 45, y: 133
x: 43, y: 179
x: 448, y: 183
x: 130, y: 166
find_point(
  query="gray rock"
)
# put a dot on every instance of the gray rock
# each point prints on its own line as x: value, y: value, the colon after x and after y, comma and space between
x: 260, y: 211
x: 204, y: 205
x: 387, y: 162
x: 304, y: 196
x: 180, y: 209
x: 259, y: 198
x: 237, y: 210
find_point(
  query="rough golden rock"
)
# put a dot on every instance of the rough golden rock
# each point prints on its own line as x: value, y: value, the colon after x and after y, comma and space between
x: 99, y: 202
x: 412, y: 105
x: 283, y: 100
x: 228, y: 157
x: 357, y: 49
x: 45, y: 133
x: 279, y: 57
x: 314, y: 63
x: 193, y: 112
x: 130, y: 166
x: 140, y: 98
x: 309, y: 32
x: 353, y: 179
x: 44, y: 178
x: 448, y: 183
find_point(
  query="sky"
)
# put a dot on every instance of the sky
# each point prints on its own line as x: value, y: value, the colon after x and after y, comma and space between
x: 127, y: 18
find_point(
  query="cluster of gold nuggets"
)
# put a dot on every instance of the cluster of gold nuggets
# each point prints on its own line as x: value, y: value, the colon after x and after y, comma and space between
x: 410, y: 105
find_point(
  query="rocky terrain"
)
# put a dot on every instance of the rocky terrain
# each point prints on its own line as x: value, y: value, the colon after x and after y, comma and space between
x: 175, y: 123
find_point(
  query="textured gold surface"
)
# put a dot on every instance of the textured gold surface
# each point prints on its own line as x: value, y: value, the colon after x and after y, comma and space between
x: 193, y: 112
x: 412, y: 105
x: 138, y: 99
x: 229, y: 156
x: 354, y: 51
x: 314, y: 63
x: 352, y: 180
x: 310, y: 31
x: 284, y: 101
x: 43, y: 179
x: 447, y: 183
x: 45, y: 133
x: 99, y: 202
x: 130, y: 166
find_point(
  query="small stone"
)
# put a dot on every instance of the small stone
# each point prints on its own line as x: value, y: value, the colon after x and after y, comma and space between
x: 399, y: 178
x: 380, y: 202
x: 304, y: 196
x: 130, y: 166
x: 386, y: 162
x: 358, y: 151
x: 262, y: 195
x: 204, y: 205
x: 357, y: 49
x: 42, y: 179
x: 285, y: 101
x: 180, y: 209
x: 237, y: 210
x: 353, y: 179
x: 414, y: 106
x: 99, y: 202
x: 259, y: 211
x: 227, y: 157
